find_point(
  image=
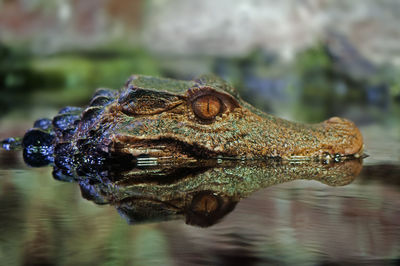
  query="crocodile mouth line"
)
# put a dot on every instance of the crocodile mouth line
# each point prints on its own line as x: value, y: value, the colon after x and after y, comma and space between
x: 152, y: 152
x: 155, y: 149
x: 162, y: 149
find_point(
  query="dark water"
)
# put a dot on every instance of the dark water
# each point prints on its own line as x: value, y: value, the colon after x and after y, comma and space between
x: 302, y: 222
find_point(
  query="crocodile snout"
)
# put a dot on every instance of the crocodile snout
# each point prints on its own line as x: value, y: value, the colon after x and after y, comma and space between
x: 343, y: 136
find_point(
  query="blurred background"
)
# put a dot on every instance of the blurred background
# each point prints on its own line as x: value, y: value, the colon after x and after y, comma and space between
x: 302, y: 60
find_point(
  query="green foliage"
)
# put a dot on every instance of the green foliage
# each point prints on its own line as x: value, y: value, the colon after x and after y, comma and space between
x: 15, y: 76
x: 313, y: 59
x: 322, y: 88
x: 82, y: 74
x: 65, y: 79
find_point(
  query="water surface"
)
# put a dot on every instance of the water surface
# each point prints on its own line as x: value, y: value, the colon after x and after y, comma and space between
x: 45, y: 221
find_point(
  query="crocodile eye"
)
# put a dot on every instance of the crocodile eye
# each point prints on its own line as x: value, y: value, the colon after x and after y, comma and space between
x: 207, y: 106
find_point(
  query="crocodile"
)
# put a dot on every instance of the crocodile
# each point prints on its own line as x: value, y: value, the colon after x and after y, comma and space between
x: 161, y: 148
x: 163, y: 119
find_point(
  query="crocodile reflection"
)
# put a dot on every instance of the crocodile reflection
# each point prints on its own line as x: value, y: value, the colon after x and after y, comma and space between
x: 202, y: 193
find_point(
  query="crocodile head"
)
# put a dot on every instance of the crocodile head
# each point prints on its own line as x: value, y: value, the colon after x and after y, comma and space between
x: 204, y: 118
x: 164, y: 119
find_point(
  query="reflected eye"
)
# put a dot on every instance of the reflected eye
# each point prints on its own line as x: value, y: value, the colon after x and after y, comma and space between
x: 205, y: 203
x: 207, y: 107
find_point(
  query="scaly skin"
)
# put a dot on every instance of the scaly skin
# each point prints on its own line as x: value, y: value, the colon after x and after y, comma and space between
x: 157, y: 118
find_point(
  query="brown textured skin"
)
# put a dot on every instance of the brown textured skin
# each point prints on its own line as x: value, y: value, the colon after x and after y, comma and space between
x: 154, y: 117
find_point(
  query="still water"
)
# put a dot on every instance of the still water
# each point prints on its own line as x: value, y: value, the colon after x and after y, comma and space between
x: 303, y: 222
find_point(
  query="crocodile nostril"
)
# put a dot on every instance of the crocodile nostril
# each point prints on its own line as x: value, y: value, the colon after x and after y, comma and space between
x: 345, y: 136
x: 335, y: 119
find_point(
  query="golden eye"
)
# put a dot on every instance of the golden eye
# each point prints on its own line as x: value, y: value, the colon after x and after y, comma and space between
x: 207, y: 107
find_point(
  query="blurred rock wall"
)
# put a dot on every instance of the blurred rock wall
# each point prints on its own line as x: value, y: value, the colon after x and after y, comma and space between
x: 211, y: 27
x: 284, y: 27
x: 49, y: 26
